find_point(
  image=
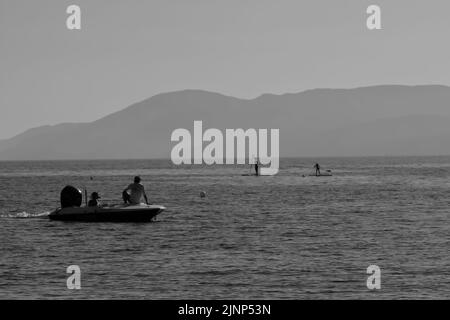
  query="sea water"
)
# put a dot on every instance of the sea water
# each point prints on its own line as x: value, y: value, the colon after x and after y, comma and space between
x: 290, y: 236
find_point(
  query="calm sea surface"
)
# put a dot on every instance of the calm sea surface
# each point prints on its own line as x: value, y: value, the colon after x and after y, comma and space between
x: 281, y: 237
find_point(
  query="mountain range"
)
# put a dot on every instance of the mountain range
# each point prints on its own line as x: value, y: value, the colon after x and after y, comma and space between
x: 368, y: 121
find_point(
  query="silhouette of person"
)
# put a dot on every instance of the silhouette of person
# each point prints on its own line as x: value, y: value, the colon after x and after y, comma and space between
x: 317, y: 167
x: 137, y: 192
x: 94, y: 200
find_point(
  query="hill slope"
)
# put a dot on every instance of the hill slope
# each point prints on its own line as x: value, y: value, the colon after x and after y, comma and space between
x: 396, y: 120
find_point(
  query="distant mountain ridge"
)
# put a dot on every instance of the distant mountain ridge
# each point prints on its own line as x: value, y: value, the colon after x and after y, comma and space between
x: 378, y: 120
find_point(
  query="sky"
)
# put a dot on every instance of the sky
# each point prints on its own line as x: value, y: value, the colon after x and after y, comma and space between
x: 130, y: 50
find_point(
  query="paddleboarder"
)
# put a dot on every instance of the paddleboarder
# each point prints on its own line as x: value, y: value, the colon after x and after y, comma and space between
x: 317, y: 167
x: 257, y: 167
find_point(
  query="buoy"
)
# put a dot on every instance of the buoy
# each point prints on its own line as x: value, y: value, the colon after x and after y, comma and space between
x: 202, y: 194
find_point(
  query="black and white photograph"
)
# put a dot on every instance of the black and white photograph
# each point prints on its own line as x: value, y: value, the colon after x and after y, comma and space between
x: 224, y: 150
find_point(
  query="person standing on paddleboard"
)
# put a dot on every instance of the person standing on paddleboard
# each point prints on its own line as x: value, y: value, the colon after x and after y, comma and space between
x: 317, y: 167
x: 257, y: 167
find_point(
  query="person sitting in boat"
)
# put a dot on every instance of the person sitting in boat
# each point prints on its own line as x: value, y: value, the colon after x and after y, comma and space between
x: 93, y: 202
x: 134, y: 193
x: 317, y: 167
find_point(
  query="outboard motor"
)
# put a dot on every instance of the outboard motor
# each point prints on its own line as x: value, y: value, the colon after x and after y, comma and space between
x: 71, y: 197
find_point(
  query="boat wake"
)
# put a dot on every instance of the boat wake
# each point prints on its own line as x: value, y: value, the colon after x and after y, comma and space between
x: 24, y: 215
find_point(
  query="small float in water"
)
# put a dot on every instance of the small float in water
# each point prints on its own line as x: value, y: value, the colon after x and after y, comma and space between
x: 71, y: 210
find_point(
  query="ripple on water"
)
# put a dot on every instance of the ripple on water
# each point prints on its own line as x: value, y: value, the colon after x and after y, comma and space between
x: 287, y: 236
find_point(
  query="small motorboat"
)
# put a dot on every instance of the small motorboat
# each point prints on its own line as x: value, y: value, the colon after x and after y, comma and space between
x: 71, y: 210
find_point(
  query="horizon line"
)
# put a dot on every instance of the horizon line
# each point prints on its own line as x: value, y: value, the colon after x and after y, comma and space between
x: 234, y: 164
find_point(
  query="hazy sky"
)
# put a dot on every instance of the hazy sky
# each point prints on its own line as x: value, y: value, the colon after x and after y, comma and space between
x: 130, y: 50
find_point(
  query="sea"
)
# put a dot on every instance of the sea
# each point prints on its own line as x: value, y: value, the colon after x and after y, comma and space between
x: 289, y: 236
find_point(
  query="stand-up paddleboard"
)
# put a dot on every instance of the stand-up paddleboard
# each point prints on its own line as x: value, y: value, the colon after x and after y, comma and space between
x: 321, y: 175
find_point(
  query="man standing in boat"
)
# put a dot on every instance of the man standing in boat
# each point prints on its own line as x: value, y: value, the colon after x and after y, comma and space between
x: 134, y: 192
